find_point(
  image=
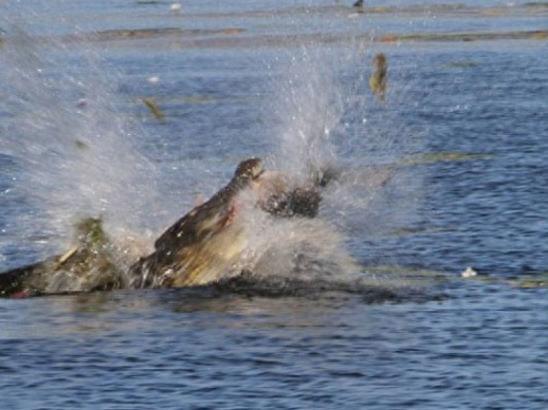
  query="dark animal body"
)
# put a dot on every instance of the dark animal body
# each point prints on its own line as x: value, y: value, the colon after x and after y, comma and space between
x: 90, y: 265
x: 195, y: 250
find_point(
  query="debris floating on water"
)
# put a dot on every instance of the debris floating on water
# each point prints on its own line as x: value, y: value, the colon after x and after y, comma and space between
x: 533, y: 282
x: 175, y: 7
x: 378, y: 79
x: 81, y: 144
x: 153, y: 79
x: 154, y: 108
x: 469, y: 272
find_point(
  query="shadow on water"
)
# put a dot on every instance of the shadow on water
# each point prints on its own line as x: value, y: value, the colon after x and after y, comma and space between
x: 411, y: 287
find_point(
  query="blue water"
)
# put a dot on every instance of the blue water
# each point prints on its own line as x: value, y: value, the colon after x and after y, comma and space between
x: 463, y: 344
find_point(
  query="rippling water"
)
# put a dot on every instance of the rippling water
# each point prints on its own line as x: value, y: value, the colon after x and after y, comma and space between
x: 466, y: 122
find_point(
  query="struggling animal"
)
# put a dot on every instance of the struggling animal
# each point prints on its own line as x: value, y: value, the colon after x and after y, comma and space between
x: 202, y: 247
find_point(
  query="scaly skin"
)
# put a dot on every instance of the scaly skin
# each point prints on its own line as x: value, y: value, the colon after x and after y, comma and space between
x: 206, y: 244
x: 202, y: 247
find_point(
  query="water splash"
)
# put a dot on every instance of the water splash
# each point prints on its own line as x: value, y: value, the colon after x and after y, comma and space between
x: 79, y: 156
x: 325, y: 117
x: 307, y: 106
x: 65, y: 127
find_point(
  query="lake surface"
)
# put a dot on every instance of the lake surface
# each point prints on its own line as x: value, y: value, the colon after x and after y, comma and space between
x: 464, y: 124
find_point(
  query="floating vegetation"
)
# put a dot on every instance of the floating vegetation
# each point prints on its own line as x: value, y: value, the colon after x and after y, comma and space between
x: 541, y: 35
x: 270, y: 40
x: 405, y: 231
x: 532, y: 281
x: 427, y: 158
x: 81, y: 144
x: 449, y: 37
x: 461, y: 64
x: 379, y: 77
x: 154, y: 108
x: 202, y: 99
x: 227, y: 37
x: 521, y: 281
x: 198, y: 99
x: 539, y: 4
x: 150, y: 33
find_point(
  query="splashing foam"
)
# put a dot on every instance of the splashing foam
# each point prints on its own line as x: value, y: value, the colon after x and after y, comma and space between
x: 319, y: 105
x: 308, y: 106
x: 79, y: 158
x: 74, y: 146
x: 326, y: 118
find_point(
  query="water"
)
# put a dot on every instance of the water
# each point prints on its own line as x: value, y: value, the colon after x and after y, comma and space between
x: 451, y: 344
